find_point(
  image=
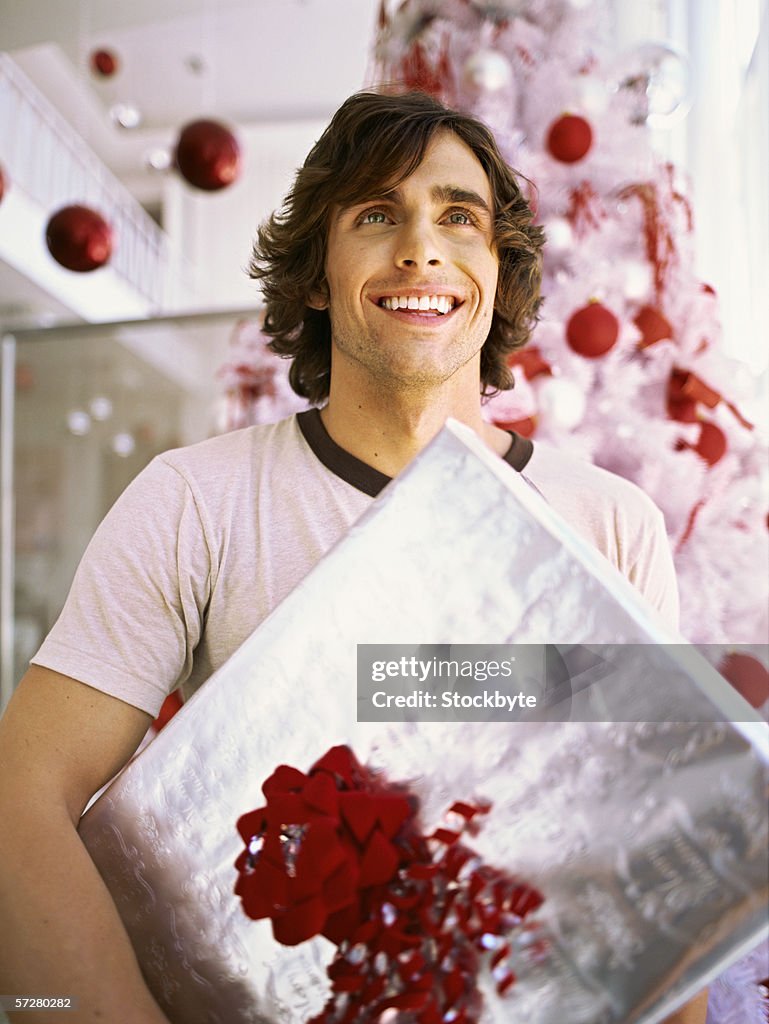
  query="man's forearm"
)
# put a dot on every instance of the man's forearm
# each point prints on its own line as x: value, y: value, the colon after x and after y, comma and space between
x: 63, y: 933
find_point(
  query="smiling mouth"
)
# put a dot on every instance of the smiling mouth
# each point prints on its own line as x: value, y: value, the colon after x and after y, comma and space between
x: 432, y: 305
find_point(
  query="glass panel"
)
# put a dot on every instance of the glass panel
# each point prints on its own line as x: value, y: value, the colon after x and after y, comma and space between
x: 93, y: 405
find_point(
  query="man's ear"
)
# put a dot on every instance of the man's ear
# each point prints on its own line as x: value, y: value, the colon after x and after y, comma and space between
x: 319, y: 299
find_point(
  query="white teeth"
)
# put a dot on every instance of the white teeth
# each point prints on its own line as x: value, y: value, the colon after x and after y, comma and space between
x: 441, y: 303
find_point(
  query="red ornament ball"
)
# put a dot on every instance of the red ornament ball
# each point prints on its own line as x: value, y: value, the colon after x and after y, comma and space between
x: 592, y: 330
x: 169, y: 707
x: 748, y: 676
x: 104, y: 63
x: 3, y: 184
x: 569, y: 138
x: 653, y: 326
x: 525, y: 427
x: 208, y: 155
x: 79, y: 239
x: 531, y: 361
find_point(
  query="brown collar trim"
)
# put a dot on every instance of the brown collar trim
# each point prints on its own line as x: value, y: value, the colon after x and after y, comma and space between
x: 364, y: 477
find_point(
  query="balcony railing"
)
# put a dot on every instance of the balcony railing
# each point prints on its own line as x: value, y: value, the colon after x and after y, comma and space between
x: 49, y: 162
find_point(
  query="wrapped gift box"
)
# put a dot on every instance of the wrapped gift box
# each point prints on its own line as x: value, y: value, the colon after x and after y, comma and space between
x: 648, y: 839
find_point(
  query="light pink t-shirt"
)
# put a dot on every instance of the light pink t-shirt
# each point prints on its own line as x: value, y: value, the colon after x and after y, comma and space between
x: 208, y: 539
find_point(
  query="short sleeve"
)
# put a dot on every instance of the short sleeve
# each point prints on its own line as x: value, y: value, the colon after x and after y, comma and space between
x: 653, y: 571
x: 136, y: 609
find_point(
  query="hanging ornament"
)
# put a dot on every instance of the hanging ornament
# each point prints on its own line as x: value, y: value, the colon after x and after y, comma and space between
x: 104, y: 63
x: 711, y: 444
x: 685, y: 389
x: 637, y: 279
x: 208, y: 155
x: 657, y: 78
x: 3, y: 184
x: 559, y: 234
x: 123, y: 444
x: 168, y: 709
x: 653, y: 326
x: 488, y: 71
x: 125, y: 115
x: 593, y: 94
x: 592, y: 330
x: 531, y: 361
x: 79, y: 238
x: 100, y: 408
x: 78, y: 422
x: 680, y: 398
x: 569, y: 138
x: 525, y: 426
x: 748, y: 676
x: 561, y: 402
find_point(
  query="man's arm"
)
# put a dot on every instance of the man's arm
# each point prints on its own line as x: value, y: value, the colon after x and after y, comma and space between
x: 60, y: 741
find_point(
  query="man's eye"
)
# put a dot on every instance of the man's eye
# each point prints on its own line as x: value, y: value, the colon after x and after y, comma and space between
x: 459, y: 217
x: 373, y: 217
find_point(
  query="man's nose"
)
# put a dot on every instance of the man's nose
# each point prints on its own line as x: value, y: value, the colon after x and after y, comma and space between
x: 418, y: 245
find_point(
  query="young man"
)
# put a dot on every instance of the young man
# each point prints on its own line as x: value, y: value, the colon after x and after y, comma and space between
x: 402, y: 272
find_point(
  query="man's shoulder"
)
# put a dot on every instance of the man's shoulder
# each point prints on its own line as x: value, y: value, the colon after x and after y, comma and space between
x: 245, y: 446
x: 555, y: 471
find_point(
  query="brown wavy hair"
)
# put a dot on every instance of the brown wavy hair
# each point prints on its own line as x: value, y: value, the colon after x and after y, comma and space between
x: 373, y: 141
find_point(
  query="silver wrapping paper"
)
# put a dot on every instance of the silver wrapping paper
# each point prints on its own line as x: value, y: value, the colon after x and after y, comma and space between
x: 649, y: 840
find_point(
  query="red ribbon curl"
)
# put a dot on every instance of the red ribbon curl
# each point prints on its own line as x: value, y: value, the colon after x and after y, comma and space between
x: 415, y: 917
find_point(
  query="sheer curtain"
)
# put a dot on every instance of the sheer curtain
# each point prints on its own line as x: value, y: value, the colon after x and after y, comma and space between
x: 726, y: 150
x: 723, y: 146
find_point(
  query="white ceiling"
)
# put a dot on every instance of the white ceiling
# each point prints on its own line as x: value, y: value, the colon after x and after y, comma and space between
x: 245, y: 63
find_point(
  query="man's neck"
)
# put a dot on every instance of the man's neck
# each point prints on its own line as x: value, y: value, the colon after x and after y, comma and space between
x: 387, y: 430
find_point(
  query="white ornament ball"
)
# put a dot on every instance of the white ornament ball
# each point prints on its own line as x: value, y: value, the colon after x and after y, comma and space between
x: 78, y: 422
x: 637, y: 279
x: 100, y: 408
x: 561, y: 403
x: 593, y: 94
x: 488, y: 70
x: 123, y: 444
x: 559, y: 234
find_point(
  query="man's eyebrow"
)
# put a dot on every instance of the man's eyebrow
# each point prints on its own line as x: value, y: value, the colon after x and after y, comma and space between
x: 439, y: 194
x: 455, y: 194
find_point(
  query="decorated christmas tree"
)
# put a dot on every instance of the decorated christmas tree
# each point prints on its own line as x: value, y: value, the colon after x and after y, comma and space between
x: 625, y: 367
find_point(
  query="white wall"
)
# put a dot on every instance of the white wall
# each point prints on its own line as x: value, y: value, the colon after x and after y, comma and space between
x: 215, y: 230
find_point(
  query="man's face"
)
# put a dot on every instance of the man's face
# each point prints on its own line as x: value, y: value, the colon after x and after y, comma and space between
x: 412, y: 275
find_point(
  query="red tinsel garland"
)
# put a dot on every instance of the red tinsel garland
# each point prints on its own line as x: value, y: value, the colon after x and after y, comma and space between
x: 415, y: 917
x: 417, y: 72
x: 586, y: 209
x: 661, y: 249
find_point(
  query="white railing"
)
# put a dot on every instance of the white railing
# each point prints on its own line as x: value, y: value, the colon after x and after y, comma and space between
x: 45, y: 158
